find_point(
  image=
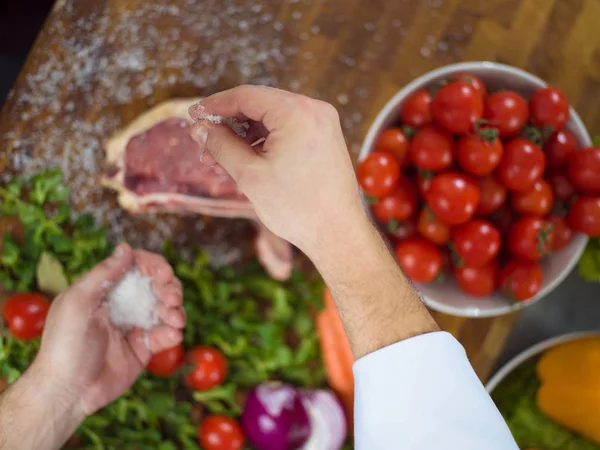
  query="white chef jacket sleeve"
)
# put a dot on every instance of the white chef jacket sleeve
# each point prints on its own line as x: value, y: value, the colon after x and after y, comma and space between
x: 422, y: 394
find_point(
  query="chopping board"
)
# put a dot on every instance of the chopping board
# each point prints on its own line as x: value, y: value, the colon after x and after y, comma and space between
x: 97, y: 64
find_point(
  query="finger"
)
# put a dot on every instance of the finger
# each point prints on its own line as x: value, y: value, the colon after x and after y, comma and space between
x: 174, y: 317
x: 157, y: 339
x: 155, y: 266
x: 93, y: 287
x: 170, y: 294
x: 227, y: 148
x: 264, y: 104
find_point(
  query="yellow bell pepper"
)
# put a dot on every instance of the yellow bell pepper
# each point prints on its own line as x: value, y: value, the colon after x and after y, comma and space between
x: 570, y: 386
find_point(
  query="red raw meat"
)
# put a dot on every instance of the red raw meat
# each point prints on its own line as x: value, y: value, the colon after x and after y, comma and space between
x: 156, y: 167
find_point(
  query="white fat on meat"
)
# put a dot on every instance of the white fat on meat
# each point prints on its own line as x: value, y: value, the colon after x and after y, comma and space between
x: 215, y: 198
x: 132, y: 303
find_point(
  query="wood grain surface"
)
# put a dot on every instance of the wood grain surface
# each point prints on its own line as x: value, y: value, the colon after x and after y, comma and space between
x: 98, y: 64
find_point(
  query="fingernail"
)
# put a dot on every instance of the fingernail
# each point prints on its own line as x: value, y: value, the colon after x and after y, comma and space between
x: 201, y: 134
x: 119, y: 252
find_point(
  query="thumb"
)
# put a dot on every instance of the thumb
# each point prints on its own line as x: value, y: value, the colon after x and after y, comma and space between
x: 226, y: 147
x: 93, y: 287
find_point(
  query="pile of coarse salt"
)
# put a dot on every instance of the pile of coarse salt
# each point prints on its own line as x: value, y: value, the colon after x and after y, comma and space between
x: 132, y: 303
x: 198, y: 112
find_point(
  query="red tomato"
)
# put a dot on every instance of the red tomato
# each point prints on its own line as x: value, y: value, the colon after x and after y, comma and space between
x: 503, y: 219
x: 584, y: 215
x: 457, y: 106
x: 559, y: 147
x: 399, y: 205
x: 477, y: 281
x: 520, y: 280
x: 584, y: 170
x: 416, y: 111
x: 537, y: 201
x: 378, y: 174
x: 522, y: 164
x: 507, y: 112
x: 394, y: 141
x: 453, y: 197
x: 420, y: 259
x: 26, y: 314
x: 209, y: 367
x: 563, y: 234
x: 473, y: 81
x: 478, y: 156
x: 493, y: 196
x: 423, y: 182
x: 530, y: 238
x: 432, y: 228
x: 402, y: 230
x: 549, y: 107
x: 432, y: 149
x: 166, y: 362
x: 561, y: 186
x: 220, y: 433
x: 476, y: 242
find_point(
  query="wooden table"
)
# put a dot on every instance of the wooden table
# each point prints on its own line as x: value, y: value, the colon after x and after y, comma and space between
x: 97, y: 64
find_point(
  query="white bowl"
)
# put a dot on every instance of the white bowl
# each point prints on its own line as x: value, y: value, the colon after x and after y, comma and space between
x: 447, y: 297
x: 532, y: 352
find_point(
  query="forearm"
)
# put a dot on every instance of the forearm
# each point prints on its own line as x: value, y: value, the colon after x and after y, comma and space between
x: 35, y: 413
x: 376, y: 302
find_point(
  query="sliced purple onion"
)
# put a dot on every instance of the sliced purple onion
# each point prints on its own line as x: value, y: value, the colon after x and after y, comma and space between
x: 274, y: 418
x: 327, y: 420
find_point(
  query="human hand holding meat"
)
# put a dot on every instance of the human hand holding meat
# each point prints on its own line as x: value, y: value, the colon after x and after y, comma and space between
x: 302, y: 185
x: 85, y: 361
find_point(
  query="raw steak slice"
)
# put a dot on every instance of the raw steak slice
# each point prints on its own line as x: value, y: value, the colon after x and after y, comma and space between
x: 156, y: 166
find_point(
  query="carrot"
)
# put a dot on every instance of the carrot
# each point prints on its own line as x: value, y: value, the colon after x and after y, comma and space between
x: 337, y: 354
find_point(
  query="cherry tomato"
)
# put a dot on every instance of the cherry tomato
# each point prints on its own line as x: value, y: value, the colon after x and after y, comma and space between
x: 453, y: 197
x: 549, y: 107
x: 537, y: 201
x: 423, y: 182
x: 26, y: 315
x: 522, y: 164
x: 503, y: 218
x: 507, y: 112
x: 563, y: 234
x: 478, y: 156
x: 520, y: 280
x: 416, y: 111
x: 420, y: 259
x: 432, y: 228
x: 584, y: 215
x: 432, y: 149
x: 584, y: 170
x: 402, y: 230
x: 477, y: 281
x: 530, y: 238
x: 394, y: 141
x: 559, y: 147
x: 476, y: 242
x: 209, y: 367
x: 399, y: 205
x: 378, y: 174
x: 493, y: 196
x: 166, y: 362
x: 220, y: 433
x: 561, y: 186
x: 457, y: 106
x: 473, y: 81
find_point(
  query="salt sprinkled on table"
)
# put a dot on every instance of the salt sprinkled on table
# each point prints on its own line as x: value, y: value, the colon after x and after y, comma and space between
x: 132, y: 303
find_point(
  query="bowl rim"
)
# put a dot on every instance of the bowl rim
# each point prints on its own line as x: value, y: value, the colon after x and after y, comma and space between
x: 536, y: 349
x: 579, y: 242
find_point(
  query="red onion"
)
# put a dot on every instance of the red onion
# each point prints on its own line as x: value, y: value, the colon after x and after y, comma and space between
x: 274, y: 418
x: 327, y: 420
